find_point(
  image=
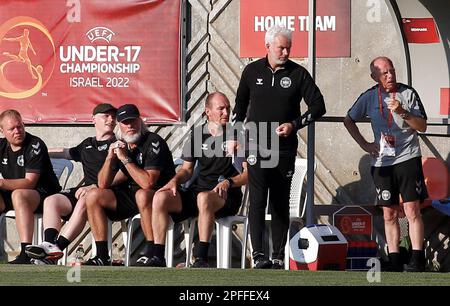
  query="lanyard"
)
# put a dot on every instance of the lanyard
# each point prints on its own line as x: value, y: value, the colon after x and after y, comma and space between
x: 380, y: 103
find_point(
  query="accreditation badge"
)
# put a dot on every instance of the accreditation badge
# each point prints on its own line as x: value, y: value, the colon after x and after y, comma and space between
x: 387, y: 144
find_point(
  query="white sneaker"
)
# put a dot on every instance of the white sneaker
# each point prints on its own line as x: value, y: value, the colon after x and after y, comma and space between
x: 46, y: 250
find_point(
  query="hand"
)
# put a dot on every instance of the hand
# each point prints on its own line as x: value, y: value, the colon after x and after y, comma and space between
x: 82, y: 191
x: 395, y: 106
x: 284, y: 130
x: 372, y: 148
x: 222, y: 189
x: 171, y: 185
x: 231, y: 147
x: 120, y: 149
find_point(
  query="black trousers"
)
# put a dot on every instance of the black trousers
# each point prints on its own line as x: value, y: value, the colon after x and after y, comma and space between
x: 278, y: 180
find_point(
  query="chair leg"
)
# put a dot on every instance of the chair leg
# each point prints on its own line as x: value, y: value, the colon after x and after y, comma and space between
x: 219, y: 244
x: 110, y: 238
x: 244, y: 244
x: 189, y: 229
x: 169, y: 245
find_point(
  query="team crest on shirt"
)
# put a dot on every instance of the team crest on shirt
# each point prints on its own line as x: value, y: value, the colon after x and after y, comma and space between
x: 20, y: 160
x: 286, y: 82
x: 251, y: 159
x: 103, y: 147
x: 5, y: 161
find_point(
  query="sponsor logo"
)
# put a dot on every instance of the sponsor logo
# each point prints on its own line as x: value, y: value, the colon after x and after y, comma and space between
x: 385, y: 195
x: 259, y: 81
x: 102, y: 148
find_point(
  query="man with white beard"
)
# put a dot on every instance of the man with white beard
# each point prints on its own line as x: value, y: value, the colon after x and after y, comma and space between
x: 138, y: 163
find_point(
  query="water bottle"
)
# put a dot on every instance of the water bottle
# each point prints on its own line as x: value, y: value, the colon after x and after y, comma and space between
x: 117, y: 258
x: 79, y: 255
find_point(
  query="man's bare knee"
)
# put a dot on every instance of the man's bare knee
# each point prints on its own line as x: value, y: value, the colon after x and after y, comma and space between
x: 144, y: 198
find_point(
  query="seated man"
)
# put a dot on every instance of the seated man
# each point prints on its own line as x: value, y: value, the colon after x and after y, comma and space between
x: 216, y: 191
x: 28, y: 177
x: 137, y: 164
x: 91, y: 152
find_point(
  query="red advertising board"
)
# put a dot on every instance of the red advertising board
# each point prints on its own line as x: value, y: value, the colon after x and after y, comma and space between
x: 332, y: 26
x: 58, y: 59
x: 420, y: 30
x: 350, y: 224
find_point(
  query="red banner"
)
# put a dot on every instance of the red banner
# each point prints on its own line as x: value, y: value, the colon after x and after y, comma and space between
x: 420, y: 30
x: 332, y: 26
x: 58, y: 59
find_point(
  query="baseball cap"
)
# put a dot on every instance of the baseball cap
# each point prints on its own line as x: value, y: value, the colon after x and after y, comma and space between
x: 127, y: 111
x: 103, y: 108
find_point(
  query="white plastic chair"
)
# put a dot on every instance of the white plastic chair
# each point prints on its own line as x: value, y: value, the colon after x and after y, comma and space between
x: 59, y: 167
x: 187, y: 224
x: 296, y: 209
x: 224, y: 233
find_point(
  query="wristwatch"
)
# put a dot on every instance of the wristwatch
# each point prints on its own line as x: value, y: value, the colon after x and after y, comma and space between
x: 404, y: 115
x: 126, y: 161
x: 230, y: 182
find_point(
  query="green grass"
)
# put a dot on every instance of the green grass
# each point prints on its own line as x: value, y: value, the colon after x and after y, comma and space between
x: 115, y: 276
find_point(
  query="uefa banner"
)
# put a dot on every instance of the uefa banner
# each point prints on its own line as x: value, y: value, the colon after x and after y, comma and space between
x: 59, y: 58
x: 332, y: 26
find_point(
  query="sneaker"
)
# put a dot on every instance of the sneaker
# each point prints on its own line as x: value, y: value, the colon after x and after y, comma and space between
x: 277, y: 264
x: 97, y: 261
x: 415, y: 267
x: 46, y: 250
x: 262, y: 263
x: 44, y: 261
x: 157, y: 262
x: 142, y: 261
x: 200, y: 263
x: 21, y: 259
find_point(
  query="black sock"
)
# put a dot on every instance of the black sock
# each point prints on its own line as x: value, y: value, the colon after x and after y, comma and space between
x: 62, y: 242
x: 201, y: 251
x: 395, y: 260
x: 102, y: 249
x: 50, y: 235
x: 149, y: 246
x: 418, y: 256
x: 158, y: 250
x: 22, y: 248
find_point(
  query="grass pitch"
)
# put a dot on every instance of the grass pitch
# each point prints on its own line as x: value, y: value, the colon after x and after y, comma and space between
x: 29, y: 275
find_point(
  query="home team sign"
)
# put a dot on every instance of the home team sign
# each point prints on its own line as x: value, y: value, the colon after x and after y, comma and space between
x: 332, y: 26
x: 58, y: 59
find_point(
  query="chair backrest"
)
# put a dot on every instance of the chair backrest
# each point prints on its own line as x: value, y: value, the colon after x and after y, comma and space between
x: 59, y: 166
x: 295, y: 205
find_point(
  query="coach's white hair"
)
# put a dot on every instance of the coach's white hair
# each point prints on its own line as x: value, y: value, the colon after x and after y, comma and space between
x: 276, y: 30
x: 142, y: 131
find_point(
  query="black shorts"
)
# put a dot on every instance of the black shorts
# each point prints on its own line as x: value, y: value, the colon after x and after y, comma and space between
x: 126, y: 203
x: 405, y: 179
x: 70, y: 195
x: 190, y: 208
x: 6, y: 196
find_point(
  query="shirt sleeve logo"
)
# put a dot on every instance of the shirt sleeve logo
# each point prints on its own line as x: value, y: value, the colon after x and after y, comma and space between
x: 286, y: 82
x: 36, y: 148
x: 155, y: 147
